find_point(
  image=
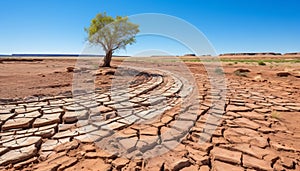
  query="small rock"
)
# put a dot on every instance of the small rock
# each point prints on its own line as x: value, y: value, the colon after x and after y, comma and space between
x: 252, y: 115
x: 226, y: 155
x: 250, y: 150
x: 129, y: 143
x: 88, y: 148
x: 104, y: 109
x: 68, y: 163
x: 87, y: 138
x: 110, y: 115
x: 43, y: 155
x: 27, y: 162
x: 244, y: 122
x: 71, y: 117
x: 66, y: 146
x: 295, y: 108
x: 287, y: 162
x: 283, y: 74
x: 50, y: 145
x: 178, y: 165
x: 242, y: 70
x: 65, y: 134
x: 278, y: 166
x: 23, y: 142
x: 47, y: 167
x: 53, y: 111
x: 220, y: 166
x: 255, y: 163
x: 70, y: 69
x: 280, y: 147
x: 219, y: 140
x: 17, y: 123
x: 45, y: 133
x: 202, y: 146
x: 99, y: 154
x: 200, y: 160
x: 15, y: 156
x: 42, y: 75
x: 47, y: 120
x: 280, y: 108
x: 259, y: 78
x: 263, y: 110
x: 120, y: 163
x: 233, y: 108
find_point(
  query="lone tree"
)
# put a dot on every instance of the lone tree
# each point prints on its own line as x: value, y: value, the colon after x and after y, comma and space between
x: 111, y: 33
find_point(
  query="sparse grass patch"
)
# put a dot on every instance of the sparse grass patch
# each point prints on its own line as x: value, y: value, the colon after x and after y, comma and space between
x: 219, y: 71
x: 275, y: 115
x: 95, y: 66
x: 241, y: 74
x: 261, y: 63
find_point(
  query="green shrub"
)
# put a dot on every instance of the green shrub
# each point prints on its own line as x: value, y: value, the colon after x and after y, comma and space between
x: 261, y: 63
x: 219, y: 71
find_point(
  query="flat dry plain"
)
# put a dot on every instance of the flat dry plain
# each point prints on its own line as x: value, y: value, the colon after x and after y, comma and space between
x: 150, y: 114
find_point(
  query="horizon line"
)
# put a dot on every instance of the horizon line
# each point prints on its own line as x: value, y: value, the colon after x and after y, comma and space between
x: 188, y: 54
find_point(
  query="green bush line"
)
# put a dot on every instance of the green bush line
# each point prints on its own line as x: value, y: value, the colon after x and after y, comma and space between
x: 246, y: 60
x: 234, y: 61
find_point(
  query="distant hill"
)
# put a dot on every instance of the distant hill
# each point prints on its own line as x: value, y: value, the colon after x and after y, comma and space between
x: 260, y: 54
x: 250, y: 54
x: 55, y: 55
x: 293, y: 53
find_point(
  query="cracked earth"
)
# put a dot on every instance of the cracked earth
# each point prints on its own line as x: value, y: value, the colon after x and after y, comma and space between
x: 156, y: 118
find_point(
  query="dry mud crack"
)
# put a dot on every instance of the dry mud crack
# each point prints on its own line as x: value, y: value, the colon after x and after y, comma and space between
x: 145, y: 126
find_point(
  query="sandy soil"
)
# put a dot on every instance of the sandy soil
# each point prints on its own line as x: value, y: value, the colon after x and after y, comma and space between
x: 49, y: 77
x: 19, y: 79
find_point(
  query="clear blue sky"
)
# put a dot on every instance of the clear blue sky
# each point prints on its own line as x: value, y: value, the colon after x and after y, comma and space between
x: 57, y: 26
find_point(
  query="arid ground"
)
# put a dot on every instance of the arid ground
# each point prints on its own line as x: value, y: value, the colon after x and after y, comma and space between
x: 157, y: 114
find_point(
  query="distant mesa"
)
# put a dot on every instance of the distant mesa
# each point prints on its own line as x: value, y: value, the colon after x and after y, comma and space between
x: 250, y: 54
x: 260, y: 54
x: 293, y: 53
x: 190, y: 54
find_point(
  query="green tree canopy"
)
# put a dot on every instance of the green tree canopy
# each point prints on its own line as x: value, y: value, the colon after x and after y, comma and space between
x: 111, y: 33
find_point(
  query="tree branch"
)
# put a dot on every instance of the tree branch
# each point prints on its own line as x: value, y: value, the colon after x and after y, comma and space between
x: 118, y: 46
x: 103, y: 45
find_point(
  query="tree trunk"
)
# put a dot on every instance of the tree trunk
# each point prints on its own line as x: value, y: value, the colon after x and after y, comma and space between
x: 107, y: 59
